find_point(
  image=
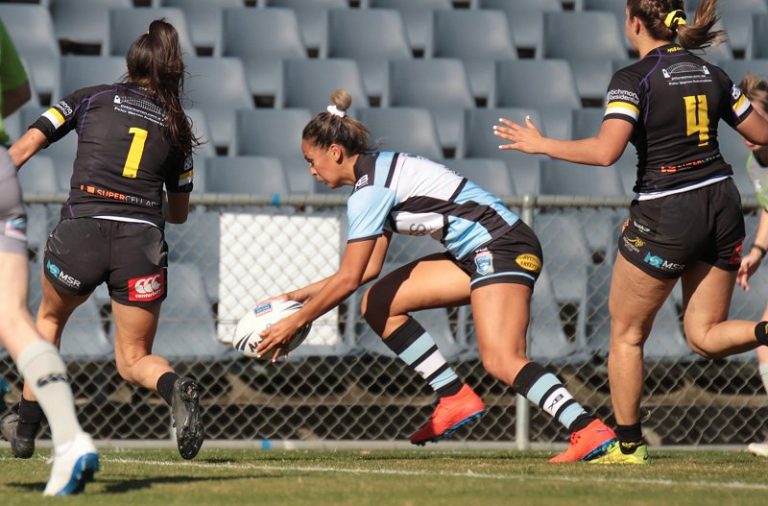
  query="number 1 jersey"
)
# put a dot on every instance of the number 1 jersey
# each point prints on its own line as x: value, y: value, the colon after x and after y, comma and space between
x: 124, y: 155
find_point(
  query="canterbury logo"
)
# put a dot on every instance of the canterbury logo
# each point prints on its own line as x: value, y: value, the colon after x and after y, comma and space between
x: 146, y: 288
x: 52, y: 378
x: 148, y: 285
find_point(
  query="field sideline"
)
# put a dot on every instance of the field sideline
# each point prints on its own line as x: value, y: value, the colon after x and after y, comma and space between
x: 413, y: 477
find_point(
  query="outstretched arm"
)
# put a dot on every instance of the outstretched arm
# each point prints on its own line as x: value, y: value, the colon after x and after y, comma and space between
x: 30, y: 143
x: 333, y: 291
x: 751, y: 261
x: 603, y: 149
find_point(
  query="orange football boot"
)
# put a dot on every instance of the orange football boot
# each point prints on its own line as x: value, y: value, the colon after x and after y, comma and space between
x: 588, y: 443
x: 451, y: 413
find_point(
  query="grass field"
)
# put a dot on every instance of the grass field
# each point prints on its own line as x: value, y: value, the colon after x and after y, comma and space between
x: 466, y: 478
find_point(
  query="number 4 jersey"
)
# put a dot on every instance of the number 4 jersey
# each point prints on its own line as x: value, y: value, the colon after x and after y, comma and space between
x: 124, y: 155
x: 675, y: 100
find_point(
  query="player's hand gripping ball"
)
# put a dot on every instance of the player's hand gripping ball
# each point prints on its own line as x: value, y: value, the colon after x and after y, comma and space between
x: 259, y: 319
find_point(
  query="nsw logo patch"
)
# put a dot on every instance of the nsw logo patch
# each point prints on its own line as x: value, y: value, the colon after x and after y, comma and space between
x: 484, y: 262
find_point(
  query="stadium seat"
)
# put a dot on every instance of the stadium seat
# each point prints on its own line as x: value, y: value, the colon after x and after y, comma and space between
x: 479, y: 140
x: 203, y: 133
x: 438, y: 84
x: 125, y: 25
x: 261, y: 38
x: 296, y: 168
x: 540, y: 84
x: 758, y: 43
x: 271, y: 132
x: 254, y: 175
x: 589, y: 57
x: 204, y: 18
x: 753, y: 6
x: 405, y: 129
x: 417, y: 17
x: 84, y: 21
x: 312, y: 16
x: 82, y: 71
x: 736, y: 69
x: 187, y: 330
x: 478, y: 38
x: 738, y: 25
x: 491, y: 174
x: 309, y: 83
x: 566, y: 265
x: 735, y: 153
x: 38, y: 175
x: 565, y: 178
x: 218, y: 98
x: 526, y: 20
x: 31, y: 29
x: 371, y: 37
x: 197, y: 242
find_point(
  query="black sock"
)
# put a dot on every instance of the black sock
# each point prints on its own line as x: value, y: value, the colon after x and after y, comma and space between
x: 761, y: 333
x: 165, y: 386
x: 30, y: 417
x: 581, y: 421
x: 414, y: 346
x: 630, y: 437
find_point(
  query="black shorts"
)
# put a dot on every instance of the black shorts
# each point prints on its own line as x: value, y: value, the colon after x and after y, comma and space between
x: 664, y: 236
x: 512, y: 258
x: 131, y: 258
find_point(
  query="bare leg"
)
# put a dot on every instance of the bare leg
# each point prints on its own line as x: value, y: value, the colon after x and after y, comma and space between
x: 634, y: 300
x: 134, y: 336
x: 707, y: 294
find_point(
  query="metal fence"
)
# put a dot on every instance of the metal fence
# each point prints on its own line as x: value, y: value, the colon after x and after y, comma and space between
x: 343, y: 384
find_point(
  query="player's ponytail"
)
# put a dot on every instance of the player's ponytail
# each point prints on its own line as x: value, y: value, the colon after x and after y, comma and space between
x: 155, y: 60
x: 333, y: 126
x: 666, y: 20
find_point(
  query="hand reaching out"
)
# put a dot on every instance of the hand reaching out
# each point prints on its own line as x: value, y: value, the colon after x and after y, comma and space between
x: 526, y: 138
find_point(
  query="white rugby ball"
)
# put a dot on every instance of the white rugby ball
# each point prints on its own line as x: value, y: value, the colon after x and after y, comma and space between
x: 259, y: 319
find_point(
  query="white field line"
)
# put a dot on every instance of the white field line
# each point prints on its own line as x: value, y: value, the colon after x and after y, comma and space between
x: 734, y: 485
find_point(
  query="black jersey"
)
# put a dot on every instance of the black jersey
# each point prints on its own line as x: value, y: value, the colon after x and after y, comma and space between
x: 124, y: 156
x: 675, y: 101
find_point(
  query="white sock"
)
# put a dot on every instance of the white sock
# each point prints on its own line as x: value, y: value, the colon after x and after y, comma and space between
x: 764, y: 375
x: 46, y: 374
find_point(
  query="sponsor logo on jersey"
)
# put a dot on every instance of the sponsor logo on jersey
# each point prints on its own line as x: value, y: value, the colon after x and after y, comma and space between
x: 529, y: 262
x: 633, y: 243
x: 484, y: 262
x: 640, y: 227
x: 623, y: 96
x: 363, y: 181
x: 64, y: 108
x: 659, y: 263
x: 686, y: 73
x: 146, y: 288
x: 62, y: 276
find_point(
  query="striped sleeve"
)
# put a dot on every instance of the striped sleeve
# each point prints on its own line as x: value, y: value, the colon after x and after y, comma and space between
x: 180, y: 174
x: 739, y: 106
x: 60, y: 118
x: 623, y: 98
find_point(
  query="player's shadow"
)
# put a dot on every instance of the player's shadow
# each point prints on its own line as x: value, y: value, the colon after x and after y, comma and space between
x: 118, y: 486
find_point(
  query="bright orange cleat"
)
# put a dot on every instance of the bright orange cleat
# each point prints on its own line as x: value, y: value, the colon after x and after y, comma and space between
x: 588, y: 443
x: 451, y: 413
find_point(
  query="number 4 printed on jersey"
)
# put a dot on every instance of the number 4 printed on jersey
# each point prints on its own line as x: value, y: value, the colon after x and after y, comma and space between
x: 697, y: 118
x: 131, y: 167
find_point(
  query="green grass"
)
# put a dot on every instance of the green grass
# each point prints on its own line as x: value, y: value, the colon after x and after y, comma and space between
x: 466, y: 478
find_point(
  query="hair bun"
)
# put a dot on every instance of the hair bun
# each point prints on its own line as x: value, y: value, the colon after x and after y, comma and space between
x: 341, y: 100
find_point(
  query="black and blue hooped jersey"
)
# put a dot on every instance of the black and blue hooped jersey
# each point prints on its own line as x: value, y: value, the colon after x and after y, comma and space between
x: 414, y: 196
x: 675, y: 101
x: 124, y: 156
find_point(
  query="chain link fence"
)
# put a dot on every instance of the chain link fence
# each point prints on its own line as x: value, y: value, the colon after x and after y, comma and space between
x: 343, y: 384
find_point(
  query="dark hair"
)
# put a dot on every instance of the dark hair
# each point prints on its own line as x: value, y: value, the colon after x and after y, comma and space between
x: 756, y: 89
x: 328, y: 128
x: 663, y: 23
x: 155, y: 57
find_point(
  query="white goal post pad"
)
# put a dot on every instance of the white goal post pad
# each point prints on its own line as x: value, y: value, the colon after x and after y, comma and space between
x: 263, y: 255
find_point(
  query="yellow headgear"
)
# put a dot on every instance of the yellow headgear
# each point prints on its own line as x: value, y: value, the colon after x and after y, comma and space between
x: 674, y: 19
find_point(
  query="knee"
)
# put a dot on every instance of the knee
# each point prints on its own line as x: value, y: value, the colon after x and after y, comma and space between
x: 698, y: 345
x: 373, y: 311
x: 126, y: 368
